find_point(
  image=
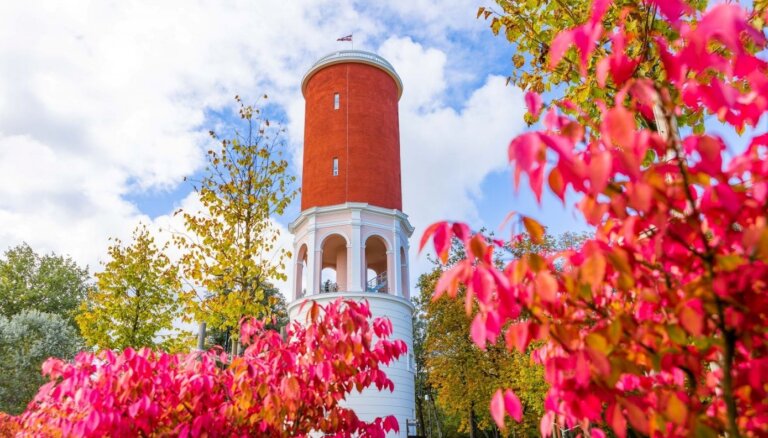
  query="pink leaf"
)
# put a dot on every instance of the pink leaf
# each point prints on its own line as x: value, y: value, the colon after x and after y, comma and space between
x: 672, y: 9
x: 497, y: 408
x: 599, y: 171
x: 533, y: 101
x: 478, y: 331
x: 391, y: 424
x: 559, y: 45
x: 513, y: 406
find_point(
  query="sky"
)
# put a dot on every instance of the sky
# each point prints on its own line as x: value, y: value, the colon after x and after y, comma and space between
x: 105, y: 108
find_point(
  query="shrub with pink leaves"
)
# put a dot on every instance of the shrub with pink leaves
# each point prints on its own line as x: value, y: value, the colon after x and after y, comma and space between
x: 277, y: 388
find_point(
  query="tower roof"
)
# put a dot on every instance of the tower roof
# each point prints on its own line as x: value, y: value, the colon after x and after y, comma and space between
x: 353, y: 56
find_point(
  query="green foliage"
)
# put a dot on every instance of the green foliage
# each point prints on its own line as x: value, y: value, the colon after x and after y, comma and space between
x: 27, y: 339
x: 47, y: 283
x: 135, y: 298
x: 230, y: 252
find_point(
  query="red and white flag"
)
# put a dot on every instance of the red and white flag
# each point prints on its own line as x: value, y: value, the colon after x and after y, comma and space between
x: 345, y: 38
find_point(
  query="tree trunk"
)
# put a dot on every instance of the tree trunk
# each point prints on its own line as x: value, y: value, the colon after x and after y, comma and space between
x: 472, y: 424
x: 420, y: 412
x: 201, y: 337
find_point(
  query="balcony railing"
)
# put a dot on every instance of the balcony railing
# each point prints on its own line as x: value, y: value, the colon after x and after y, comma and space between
x: 377, y: 284
x: 329, y: 287
x: 374, y: 285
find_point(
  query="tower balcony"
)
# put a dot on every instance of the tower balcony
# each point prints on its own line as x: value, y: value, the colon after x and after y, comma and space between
x: 351, y: 247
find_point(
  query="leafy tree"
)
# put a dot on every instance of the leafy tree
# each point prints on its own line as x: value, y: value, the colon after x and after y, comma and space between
x: 277, y: 388
x: 135, y: 298
x: 277, y: 321
x: 47, y: 283
x: 230, y: 253
x: 657, y: 325
x: 27, y: 339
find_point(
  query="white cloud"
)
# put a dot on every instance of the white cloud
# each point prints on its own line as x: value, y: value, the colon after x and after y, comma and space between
x: 100, y: 100
x: 446, y: 152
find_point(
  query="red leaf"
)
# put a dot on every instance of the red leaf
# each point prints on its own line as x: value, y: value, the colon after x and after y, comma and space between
x: 616, y: 420
x: 391, y: 424
x: 692, y: 316
x: 518, y: 336
x: 637, y: 418
x: 557, y: 184
x: 513, y: 406
x: 619, y: 127
x: 462, y: 232
x: 546, y: 286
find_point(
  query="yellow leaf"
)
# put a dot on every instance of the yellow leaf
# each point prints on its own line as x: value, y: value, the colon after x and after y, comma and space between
x: 534, y: 229
x: 676, y: 410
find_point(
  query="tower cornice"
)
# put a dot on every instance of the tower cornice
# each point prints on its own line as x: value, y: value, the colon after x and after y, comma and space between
x: 353, y: 206
x: 353, y: 56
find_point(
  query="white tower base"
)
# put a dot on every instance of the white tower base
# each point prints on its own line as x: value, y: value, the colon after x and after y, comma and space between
x: 372, y: 403
x: 360, y: 252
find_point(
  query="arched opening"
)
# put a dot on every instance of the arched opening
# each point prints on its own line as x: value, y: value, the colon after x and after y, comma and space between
x: 333, y: 276
x: 301, y: 272
x: 404, y: 273
x: 376, y: 265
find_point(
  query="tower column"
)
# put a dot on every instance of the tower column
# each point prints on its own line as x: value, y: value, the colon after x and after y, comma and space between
x: 356, y: 276
x: 317, y: 269
x: 391, y: 272
x: 396, y: 289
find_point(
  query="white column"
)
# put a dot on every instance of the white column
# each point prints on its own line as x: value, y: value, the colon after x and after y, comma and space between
x: 407, y: 282
x: 295, y: 268
x: 317, y: 268
x: 354, y: 270
x: 391, y: 272
x: 397, y: 289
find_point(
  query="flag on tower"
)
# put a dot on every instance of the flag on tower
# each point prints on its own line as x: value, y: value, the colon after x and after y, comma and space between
x: 345, y: 38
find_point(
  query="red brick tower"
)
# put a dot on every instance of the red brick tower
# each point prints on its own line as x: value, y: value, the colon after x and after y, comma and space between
x: 351, y: 132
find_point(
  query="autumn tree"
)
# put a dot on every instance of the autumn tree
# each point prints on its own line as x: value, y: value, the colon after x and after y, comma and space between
x: 47, y: 283
x: 27, y: 339
x: 135, y: 300
x: 463, y: 376
x: 575, y: 81
x: 656, y: 326
x: 229, y: 247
